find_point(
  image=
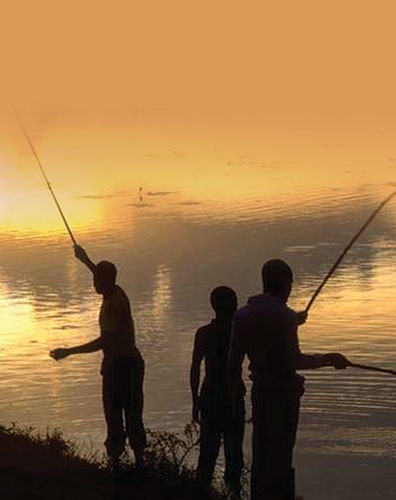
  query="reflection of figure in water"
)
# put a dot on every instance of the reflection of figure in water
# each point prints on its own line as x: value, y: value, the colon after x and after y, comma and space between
x: 122, y: 367
x: 213, y: 407
x: 266, y: 330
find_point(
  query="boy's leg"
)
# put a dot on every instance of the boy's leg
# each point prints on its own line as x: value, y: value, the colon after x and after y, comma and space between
x: 209, y: 445
x: 115, y: 440
x: 134, y: 411
x: 259, y: 447
x: 275, y: 419
x: 233, y: 448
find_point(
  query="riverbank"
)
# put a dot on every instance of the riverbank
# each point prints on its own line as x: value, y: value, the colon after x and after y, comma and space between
x: 50, y: 468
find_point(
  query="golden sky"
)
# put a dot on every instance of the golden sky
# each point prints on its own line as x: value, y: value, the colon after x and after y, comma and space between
x: 176, y: 87
x: 284, y: 57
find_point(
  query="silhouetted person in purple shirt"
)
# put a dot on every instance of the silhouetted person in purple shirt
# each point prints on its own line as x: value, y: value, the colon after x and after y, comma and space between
x: 212, y: 405
x: 122, y: 366
x: 266, y: 331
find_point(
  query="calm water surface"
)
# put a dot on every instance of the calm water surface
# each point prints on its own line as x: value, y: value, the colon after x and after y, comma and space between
x: 171, y: 248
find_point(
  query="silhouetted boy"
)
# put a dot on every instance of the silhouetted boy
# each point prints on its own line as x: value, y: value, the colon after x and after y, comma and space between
x: 122, y: 366
x: 266, y: 330
x: 213, y: 408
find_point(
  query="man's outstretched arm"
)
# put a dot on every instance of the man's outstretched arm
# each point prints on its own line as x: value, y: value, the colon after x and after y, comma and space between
x: 311, y: 361
x: 63, y: 352
x: 301, y: 361
x: 82, y: 256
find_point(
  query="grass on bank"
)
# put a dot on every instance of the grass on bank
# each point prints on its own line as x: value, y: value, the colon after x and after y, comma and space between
x: 34, y: 466
x: 50, y: 467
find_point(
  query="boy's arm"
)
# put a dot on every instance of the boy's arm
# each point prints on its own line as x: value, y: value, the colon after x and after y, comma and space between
x: 195, y: 373
x: 303, y: 361
x: 311, y: 361
x: 63, y: 352
x: 236, y: 355
x: 82, y: 255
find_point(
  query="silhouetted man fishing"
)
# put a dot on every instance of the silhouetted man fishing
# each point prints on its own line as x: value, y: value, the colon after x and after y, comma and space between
x: 266, y: 330
x: 212, y: 406
x: 122, y: 367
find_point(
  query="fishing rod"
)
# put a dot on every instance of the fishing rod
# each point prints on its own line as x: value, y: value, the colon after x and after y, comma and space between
x: 372, y: 368
x: 361, y: 367
x: 46, y: 179
x: 347, y: 248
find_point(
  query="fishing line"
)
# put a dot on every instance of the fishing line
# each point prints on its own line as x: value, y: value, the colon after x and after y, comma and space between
x: 46, y: 179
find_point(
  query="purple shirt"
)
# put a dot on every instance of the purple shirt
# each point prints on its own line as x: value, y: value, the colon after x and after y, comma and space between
x: 266, y: 331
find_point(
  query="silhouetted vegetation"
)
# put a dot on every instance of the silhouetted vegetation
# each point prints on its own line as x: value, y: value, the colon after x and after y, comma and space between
x: 34, y: 466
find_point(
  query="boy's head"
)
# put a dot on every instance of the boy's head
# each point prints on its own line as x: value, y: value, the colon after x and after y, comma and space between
x: 224, y: 301
x: 277, y: 278
x: 104, y: 276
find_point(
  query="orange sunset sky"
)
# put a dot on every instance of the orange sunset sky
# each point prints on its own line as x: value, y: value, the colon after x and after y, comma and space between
x: 109, y: 83
x: 306, y: 61
x: 103, y: 84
